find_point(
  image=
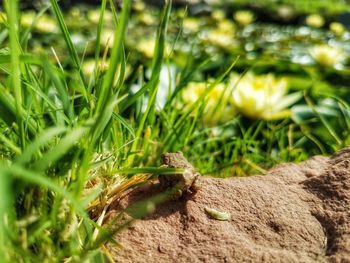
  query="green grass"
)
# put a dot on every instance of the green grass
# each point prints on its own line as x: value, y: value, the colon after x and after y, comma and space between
x: 52, y: 133
x: 71, y: 144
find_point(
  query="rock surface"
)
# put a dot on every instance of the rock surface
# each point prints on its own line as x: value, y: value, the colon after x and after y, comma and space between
x: 295, y: 213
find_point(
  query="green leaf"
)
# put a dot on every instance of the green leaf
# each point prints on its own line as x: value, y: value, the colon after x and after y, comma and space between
x: 66, y: 35
x: 115, y: 60
x: 61, y: 148
x: 40, y: 141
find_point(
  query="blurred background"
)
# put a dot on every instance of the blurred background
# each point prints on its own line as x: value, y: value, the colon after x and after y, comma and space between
x: 289, y: 87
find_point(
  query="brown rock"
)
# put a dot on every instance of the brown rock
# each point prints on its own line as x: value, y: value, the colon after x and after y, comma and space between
x: 296, y: 213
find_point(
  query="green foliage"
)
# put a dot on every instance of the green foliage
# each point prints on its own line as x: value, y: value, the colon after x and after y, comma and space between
x: 72, y: 142
x: 327, y: 7
x: 52, y: 126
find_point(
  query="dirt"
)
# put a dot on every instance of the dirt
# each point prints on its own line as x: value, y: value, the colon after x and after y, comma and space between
x: 295, y: 213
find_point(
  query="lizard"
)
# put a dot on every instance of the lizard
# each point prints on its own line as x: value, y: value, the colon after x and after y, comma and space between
x: 180, y: 183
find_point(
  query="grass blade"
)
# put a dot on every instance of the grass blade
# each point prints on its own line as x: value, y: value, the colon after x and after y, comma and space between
x: 12, y: 14
x: 61, y: 148
x: 116, y: 56
x: 157, y: 64
x: 5, y: 211
x: 66, y: 35
x: 40, y: 141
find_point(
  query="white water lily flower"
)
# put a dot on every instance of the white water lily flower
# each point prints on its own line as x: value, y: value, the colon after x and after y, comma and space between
x: 243, y: 17
x: 107, y: 38
x: 219, y: 38
x: 227, y: 27
x: 138, y: 6
x: 147, y: 19
x: 326, y: 55
x: 223, y: 36
x: 42, y: 24
x: 88, y: 66
x: 218, y: 102
x: 262, y: 97
x: 166, y: 85
x: 191, y: 24
x: 147, y: 46
x: 218, y: 15
x: 337, y: 28
x: 94, y: 16
x: 315, y: 21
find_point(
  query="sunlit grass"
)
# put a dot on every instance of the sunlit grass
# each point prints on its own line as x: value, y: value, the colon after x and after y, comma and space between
x: 73, y: 141
x: 52, y: 132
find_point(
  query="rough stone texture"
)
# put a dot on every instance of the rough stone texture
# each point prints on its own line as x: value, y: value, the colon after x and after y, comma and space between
x: 295, y: 213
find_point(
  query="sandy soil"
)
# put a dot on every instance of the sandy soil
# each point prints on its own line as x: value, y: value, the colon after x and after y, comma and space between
x: 295, y: 213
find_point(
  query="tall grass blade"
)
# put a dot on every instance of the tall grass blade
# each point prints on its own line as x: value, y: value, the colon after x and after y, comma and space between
x: 12, y: 14
x: 40, y: 141
x: 61, y: 148
x: 6, y: 198
x: 327, y: 125
x: 66, y: 35
x: 41, y: 180
x: 156, y: 68
x: 116, y: 56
